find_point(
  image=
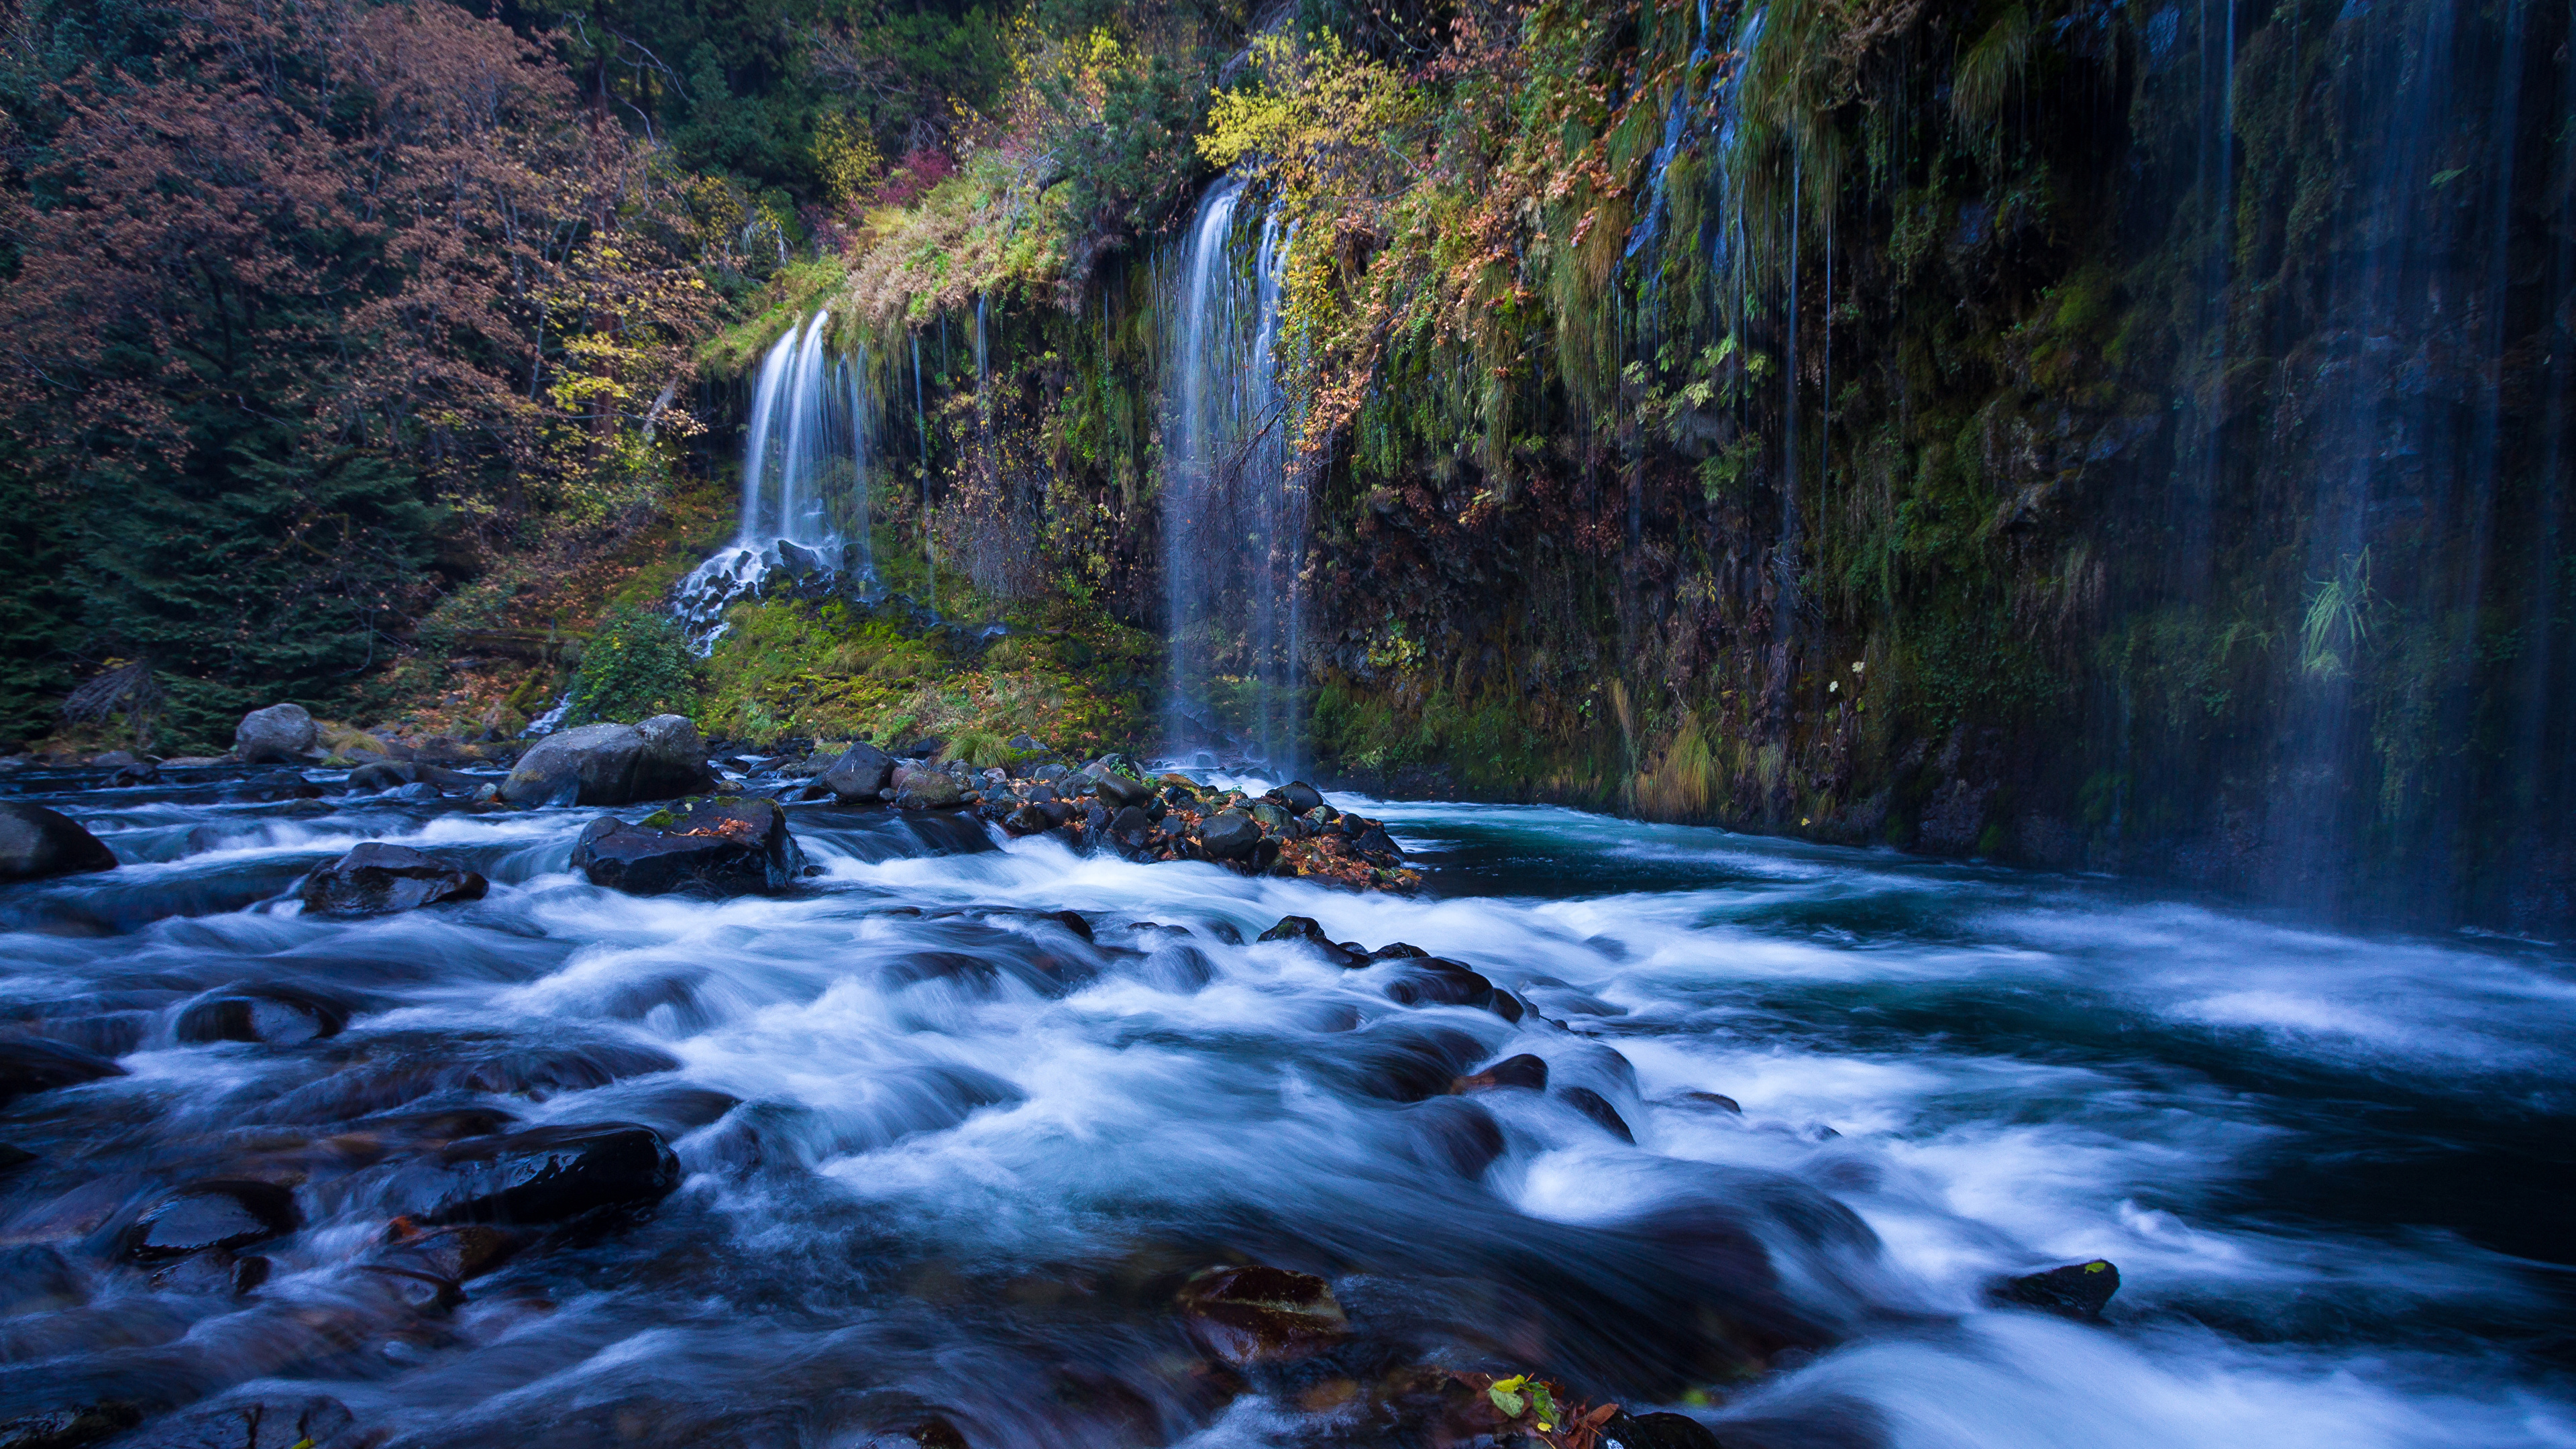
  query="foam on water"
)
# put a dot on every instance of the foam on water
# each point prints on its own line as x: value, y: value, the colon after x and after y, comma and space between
x: 1944, y: 1074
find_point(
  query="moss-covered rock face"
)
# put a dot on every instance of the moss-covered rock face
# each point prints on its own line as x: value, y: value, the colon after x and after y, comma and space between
x: 2074, y: 434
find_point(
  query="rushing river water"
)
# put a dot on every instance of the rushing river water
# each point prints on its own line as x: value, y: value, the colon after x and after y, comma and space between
x: 942, y: 1153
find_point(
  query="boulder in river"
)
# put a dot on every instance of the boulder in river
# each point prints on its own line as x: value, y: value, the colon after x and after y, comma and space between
x: 718, y: 847
x: 551, y: 1174
x: 377, y: 879
x: 1262, y: 1315
x: 222, y: 1213
x: 1228, y: 835
x: 28, y: 1066
x: 1116, y: 788
x: 1308, y: 930
x: 281, y: 734
x: 928, y: 790
x: 1298, y: 796
x: 2078, y: 1291
x: 611, y: 764
x: 36, y: 842
x: 860, y: 772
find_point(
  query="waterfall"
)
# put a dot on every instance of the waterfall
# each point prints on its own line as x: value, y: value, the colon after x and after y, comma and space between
x: 805, y: 462
x: 1234, y: 503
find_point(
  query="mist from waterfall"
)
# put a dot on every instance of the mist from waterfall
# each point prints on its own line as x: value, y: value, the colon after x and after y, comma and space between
x: 1234, y: 499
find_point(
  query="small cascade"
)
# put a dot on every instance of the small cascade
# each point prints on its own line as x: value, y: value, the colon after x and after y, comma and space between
x: 1234, y: 501
x: 805, y: 475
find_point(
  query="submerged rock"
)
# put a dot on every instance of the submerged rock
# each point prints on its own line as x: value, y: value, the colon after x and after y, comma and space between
x: 1597, y: 1107
x: 719, y: 847
x: 1523, y: 1070
x: 259, y: 1014
x: 377, y: 879
x: 220, y: 1214
x: 2079, y: 1290
x: 612, y: 764
x: 278, y: 735
x: 36, y: 842
x: 1262, y: 1315
x: 551, y: 1174
x: 28, y: 1066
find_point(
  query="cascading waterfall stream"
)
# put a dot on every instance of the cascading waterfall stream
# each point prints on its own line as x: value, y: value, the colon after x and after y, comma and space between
x: 1234, y: 500
x: 805, y: 476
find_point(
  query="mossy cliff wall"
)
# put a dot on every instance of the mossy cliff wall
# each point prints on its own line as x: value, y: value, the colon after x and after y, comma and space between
x: 2111, y: 437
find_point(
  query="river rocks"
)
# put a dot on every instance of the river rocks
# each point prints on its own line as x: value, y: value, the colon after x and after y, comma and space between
x: 284, y: 1421
x: 714, y: 847
x: 279, y: 1018
x: 860, y: 772
x: 36, y: 842
x: 1261, y: 1315
x: 281, y: 734
x: 611, y: 764
x: 2079, y: 1290
x: 377, y: 879
x: 28, y: 1066
x: 552, y: 1174
x: 210, y: 1215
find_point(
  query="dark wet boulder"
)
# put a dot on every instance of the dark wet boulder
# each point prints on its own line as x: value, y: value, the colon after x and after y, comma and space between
x: 1431, y: 981
x: 277, y: 1016
x: 283, y: 1421
x: 214, y: 1273
x: 1262, y: 1315
x: 278, y: 735
x: 1228, y: 835
x: 70, y: 1425
x: 1027, y: 820
x: 1310, y: 931
x: 36, y: 842
x: 928, y: 790
x: 223, y: 1213
x: 377, y: 879
x: 384, y: 775
x: 1597, y: 1107
x: 1657, y: 1431
x: 2079, y: 1290
x: 713, y: 847
x: 136, y: 772
x: 860, y: 772
x: 1115, y: 787
x: 1523, y: 1070
x: 1298, y: 796
x: 28, y: 1066
x: 611, y: 764
x: 1399, y: 951
x: 551, y: 1174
